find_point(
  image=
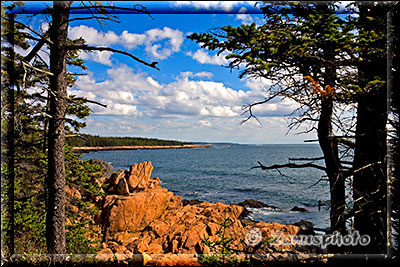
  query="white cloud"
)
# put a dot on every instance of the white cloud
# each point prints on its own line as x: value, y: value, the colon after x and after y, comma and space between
x: 136, y: 94
x: 202, y: 74
x: 203, y: 57
x: 158, y: 43
x: 93, y: 36
x: 212, y: 5
x: 259, y: 84
x: 103, y: 57
x: 244, y: 18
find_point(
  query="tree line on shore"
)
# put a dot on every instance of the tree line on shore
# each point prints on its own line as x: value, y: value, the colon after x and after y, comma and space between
x: 87, y: 140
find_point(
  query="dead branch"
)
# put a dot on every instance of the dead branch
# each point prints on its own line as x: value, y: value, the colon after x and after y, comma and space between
x: 248, y: 108
x: 303, y: 159
x: 35, y: 50
x: 289, y: 165
x: 37, y: 69
x: 86, y: 100
x: 320, y: 180
x: 95, y: 17
x: 69, y: 99
x: 35, y: 32
x: 97, y: 48
x: 310, y: 141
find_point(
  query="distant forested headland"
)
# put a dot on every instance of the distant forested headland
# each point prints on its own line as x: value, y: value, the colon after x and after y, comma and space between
x: 86, y: 140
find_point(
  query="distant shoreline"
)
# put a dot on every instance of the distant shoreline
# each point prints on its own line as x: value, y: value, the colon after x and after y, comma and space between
x: 106, y: 148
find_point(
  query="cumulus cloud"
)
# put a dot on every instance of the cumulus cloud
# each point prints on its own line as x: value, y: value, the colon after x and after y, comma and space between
x: 103, y: 57
x: 203, y: 57
x: 92, y: 36
x: 137, y: 94
x: 158, y: 43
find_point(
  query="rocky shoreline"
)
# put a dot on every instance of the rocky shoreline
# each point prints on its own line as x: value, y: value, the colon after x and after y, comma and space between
x: 101, y: 148
x: 142, y: 221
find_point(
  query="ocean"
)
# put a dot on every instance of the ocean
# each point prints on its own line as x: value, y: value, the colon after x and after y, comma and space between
x: 223, y: 173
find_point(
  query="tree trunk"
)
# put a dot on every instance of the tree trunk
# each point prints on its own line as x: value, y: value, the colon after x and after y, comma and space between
x: 329, y: 145
x: 333, y: 166
x: 369, y: 180
x: 55, y: 220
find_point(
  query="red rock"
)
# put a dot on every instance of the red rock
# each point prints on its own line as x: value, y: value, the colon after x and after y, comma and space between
x: 134, y: 212
x: 139, y: 175
x: 125, y: 238
x: 152, y: 221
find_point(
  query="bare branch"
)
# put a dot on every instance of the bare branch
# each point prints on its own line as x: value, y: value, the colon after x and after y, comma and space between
x: 289, y: 165
x: 320, y: 180
x: 95, y: 17
x: 37, y: 69
x: 302, y: 159
x: 91, y: 48
x: 35, y: 32
x: 87, y: 100
x: 248, y: 108
x: 310, y: 141
x: 35, y: 50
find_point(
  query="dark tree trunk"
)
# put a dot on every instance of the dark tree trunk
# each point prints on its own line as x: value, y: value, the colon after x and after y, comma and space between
x: 329, y: 148
x: 333, y: 167
x: 55, y: 220
x: 370, y: 177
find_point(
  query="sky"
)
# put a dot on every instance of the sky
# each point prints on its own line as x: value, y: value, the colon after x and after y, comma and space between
x: 194, y: 96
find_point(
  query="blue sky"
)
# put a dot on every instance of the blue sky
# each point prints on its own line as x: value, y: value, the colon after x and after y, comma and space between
x: 194, y: 96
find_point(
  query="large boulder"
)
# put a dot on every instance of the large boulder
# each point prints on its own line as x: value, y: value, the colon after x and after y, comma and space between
x: 142, y: 218
x: 181, y: 230
x: 138, y: 176
x: 134, y: 212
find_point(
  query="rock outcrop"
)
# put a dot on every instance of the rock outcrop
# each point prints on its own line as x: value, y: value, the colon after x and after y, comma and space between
x: 140, y: 217
x: 251, y: 203
x: 299, y: 209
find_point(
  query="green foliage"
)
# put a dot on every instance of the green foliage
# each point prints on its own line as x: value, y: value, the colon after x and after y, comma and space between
x: 299, y: 39
x: 222, y: 253
x: 81, y: 236
x: 30, y: 123
x: 95, y: 140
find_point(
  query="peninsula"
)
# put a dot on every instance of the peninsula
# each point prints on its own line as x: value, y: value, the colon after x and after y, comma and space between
x: 101, y: 148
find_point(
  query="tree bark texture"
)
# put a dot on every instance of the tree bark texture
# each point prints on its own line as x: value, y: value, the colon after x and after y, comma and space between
x: 55, y: 220
x: 329, y: 148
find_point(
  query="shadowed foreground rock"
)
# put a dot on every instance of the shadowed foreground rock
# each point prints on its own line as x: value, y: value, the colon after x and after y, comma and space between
x: 143, y: 220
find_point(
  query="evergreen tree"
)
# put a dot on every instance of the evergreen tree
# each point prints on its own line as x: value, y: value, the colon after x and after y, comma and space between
x: 330, y: 64
x: 300, y: 47
x: 55, y: 81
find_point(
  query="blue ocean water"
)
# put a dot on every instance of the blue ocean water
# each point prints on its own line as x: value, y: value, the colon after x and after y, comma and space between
x: 223, y: 173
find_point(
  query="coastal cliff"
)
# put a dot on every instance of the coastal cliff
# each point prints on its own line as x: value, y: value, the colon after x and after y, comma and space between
x: 143, y: 222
